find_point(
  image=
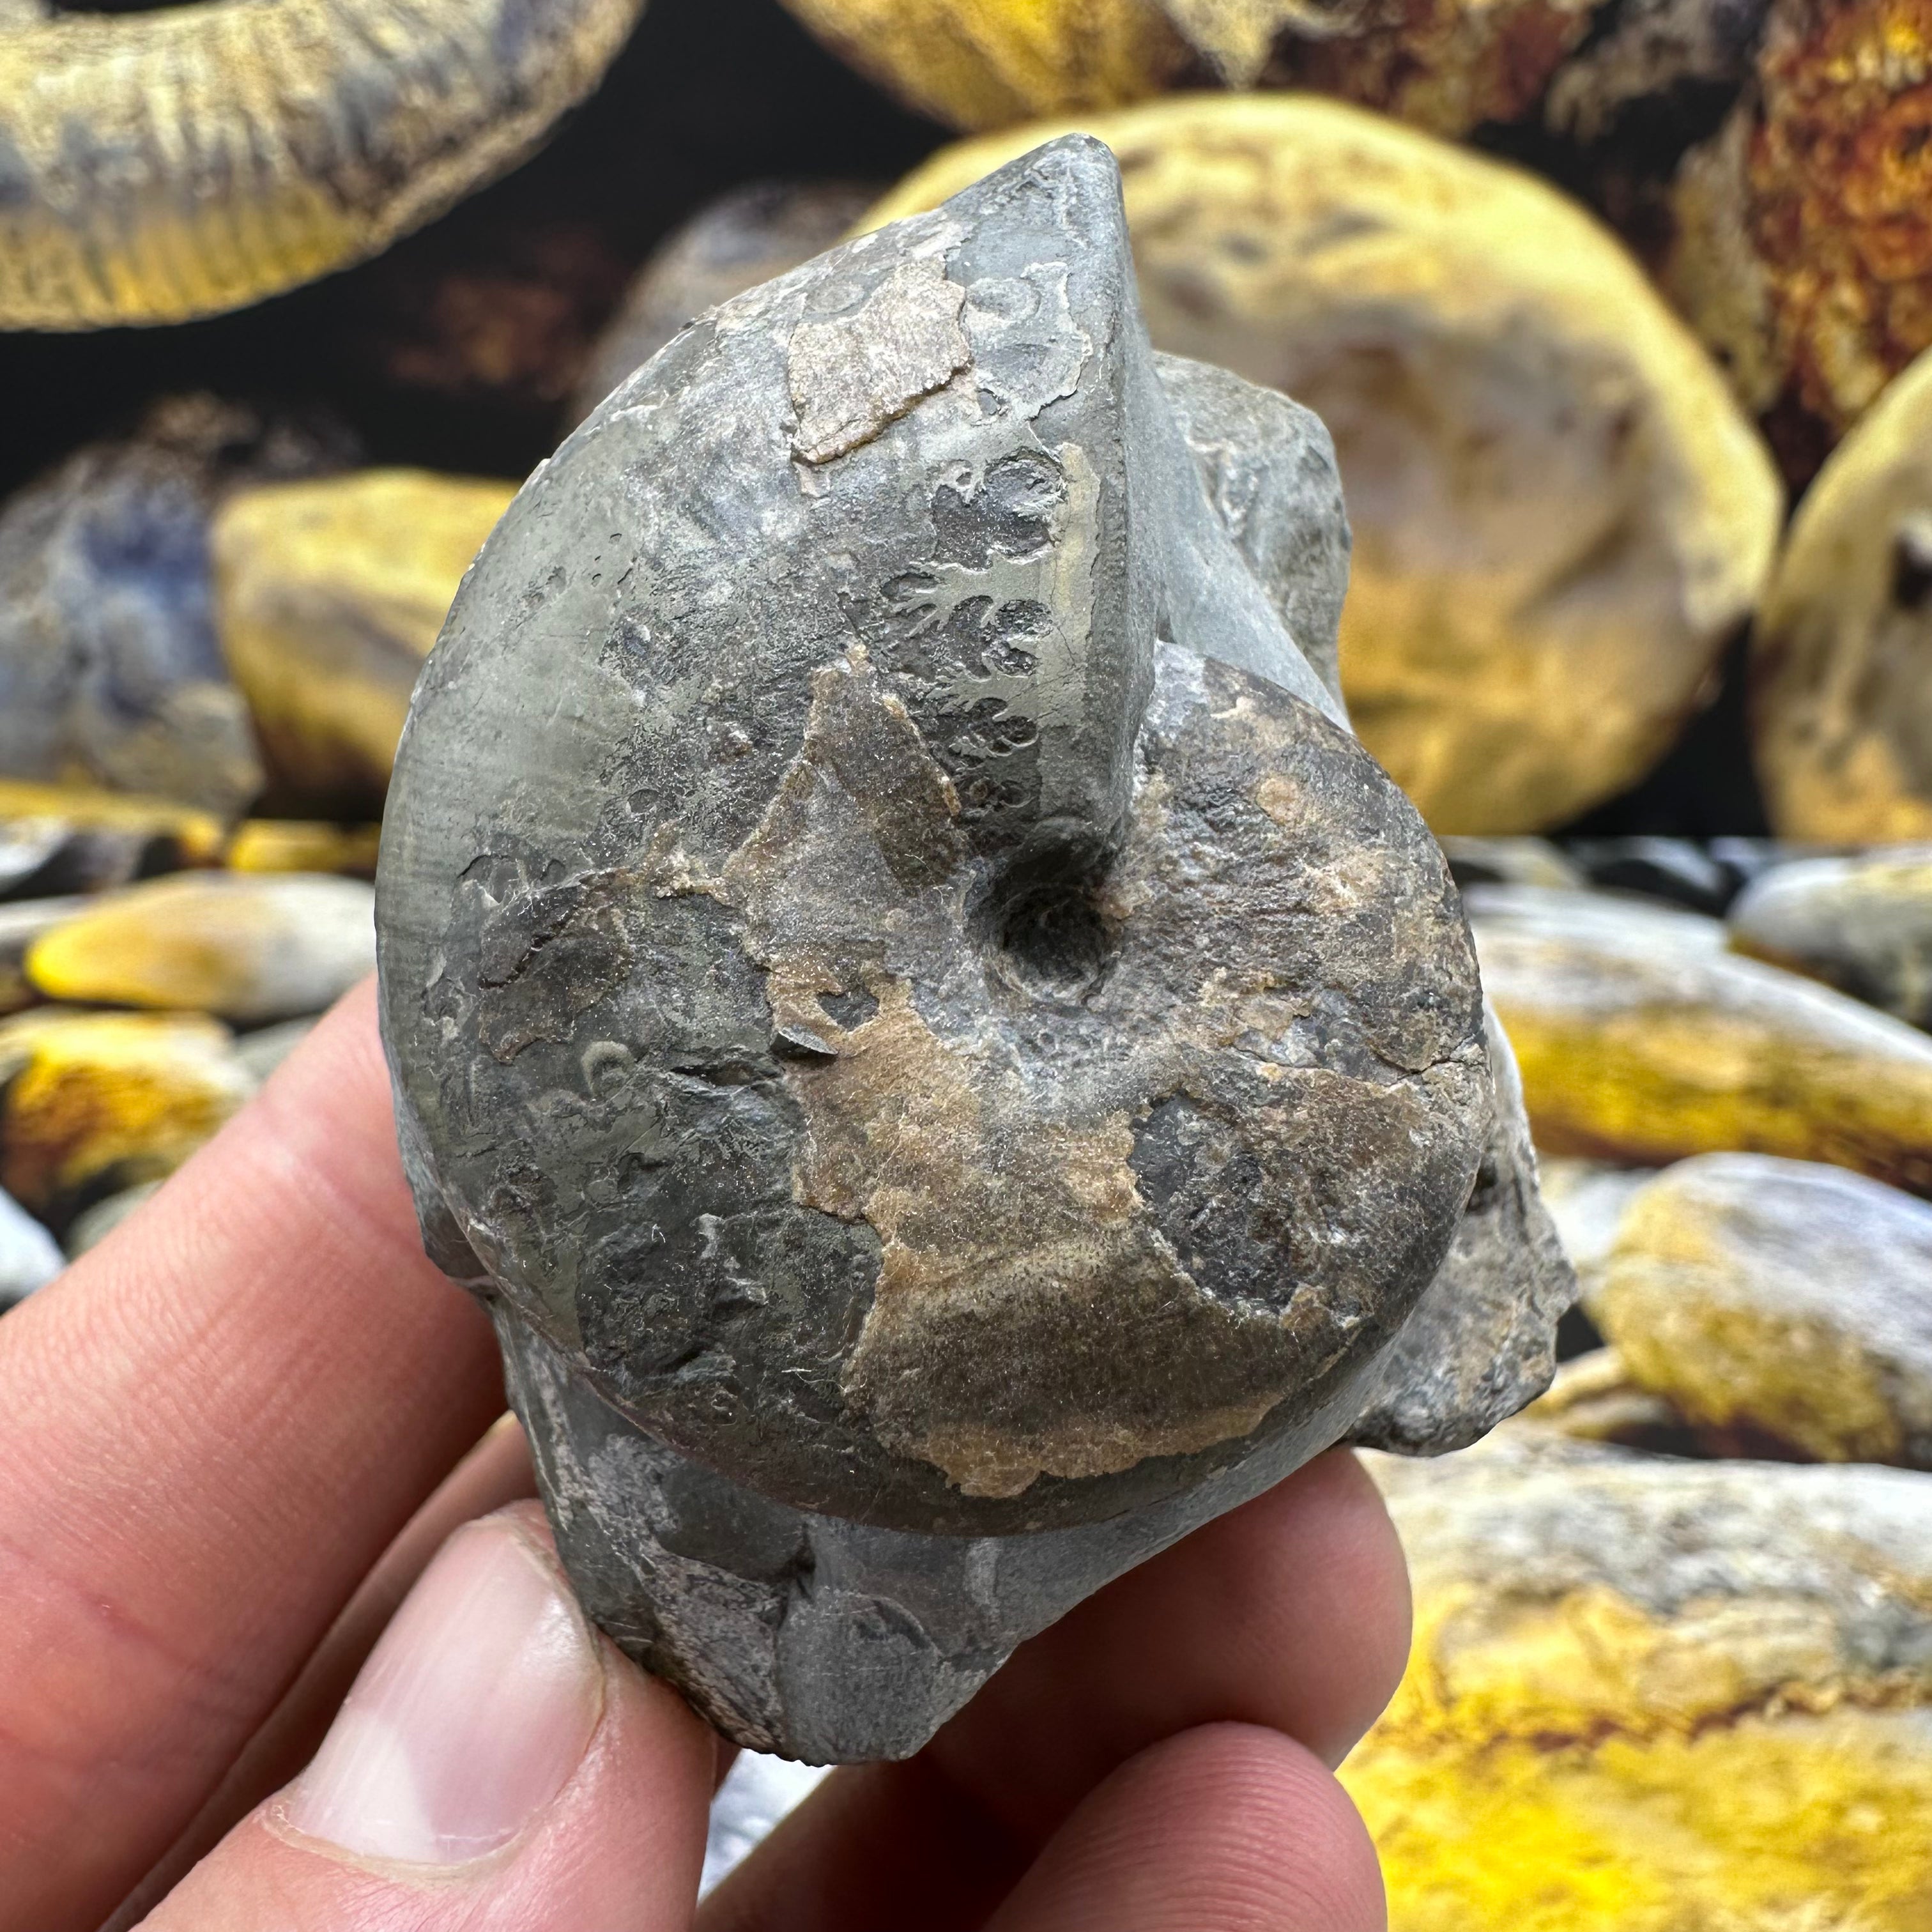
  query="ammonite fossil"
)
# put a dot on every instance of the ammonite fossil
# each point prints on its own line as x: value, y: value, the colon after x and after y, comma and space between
x: 948, y: 1061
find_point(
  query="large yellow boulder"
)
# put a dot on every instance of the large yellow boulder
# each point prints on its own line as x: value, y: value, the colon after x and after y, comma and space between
x: 93, y: 1102
x: 1560, y: 513
x: 1643, y: 1039
x: 1653, y: 1695
x: 1781, y: 1300
x: 329, y: 596
x: 1841, y: 670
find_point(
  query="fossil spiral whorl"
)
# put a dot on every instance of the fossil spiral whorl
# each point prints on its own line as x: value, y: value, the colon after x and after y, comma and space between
x: 895, y: 971
x: 158, y: 166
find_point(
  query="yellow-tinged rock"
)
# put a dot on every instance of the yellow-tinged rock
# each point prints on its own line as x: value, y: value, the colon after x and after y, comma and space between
x: 1862, y: 922
x: 1642, y: 1040
x: 92, y: 1102
x: 1446, y: 65
x: 304, y: 845
x: 1594, y: 1398
x: 1560, y: 512
x: 251, y: 948
x: 1586, y: 1199
x: 1841, y: 657
x: 197, y: 837
x: 1656, y: 1696
x: 21, y: 923
x: 328, y: 595
x: 988, y: 63
x: 1781, y: 1298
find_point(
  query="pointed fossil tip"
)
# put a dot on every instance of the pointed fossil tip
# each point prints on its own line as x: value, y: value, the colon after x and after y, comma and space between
x: 1078, y: 165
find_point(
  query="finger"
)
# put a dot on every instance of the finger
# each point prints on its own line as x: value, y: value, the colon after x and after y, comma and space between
x: 1229, y: 1828
x: 212, y: 1426
x: 496, y: 1472
x: 1290, y: 1612
x: 498, y: 1766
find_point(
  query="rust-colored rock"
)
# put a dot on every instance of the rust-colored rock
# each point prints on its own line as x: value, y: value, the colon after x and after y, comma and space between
x: 1804, y: 254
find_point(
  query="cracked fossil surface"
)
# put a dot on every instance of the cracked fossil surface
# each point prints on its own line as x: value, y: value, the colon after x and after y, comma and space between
x: 946, y: 1060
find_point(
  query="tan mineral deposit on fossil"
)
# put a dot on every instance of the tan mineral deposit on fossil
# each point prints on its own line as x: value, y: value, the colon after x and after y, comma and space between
x: 162, y: 165
x: 91, y: 1102
x: 250, y: 949
x: 731, y: 244
x: 1655, y: 1694
x: 904, y: 995
x: 1804, y: 247
x: 1643, y: 1039
x: 1560, y: 515
x: 327, y: 597
x: 1782, y: 1299
x: 1841, y: 672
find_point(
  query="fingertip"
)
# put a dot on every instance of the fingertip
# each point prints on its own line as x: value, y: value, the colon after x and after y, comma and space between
x: 498, y: 1764
x: 1226, y: 1828
x: 1323, y: 1545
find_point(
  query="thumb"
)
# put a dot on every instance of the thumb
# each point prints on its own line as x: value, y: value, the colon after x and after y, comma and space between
x: 498, y: 1766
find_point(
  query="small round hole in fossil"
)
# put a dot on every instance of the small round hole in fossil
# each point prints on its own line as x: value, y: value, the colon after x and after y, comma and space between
x: 1048, y: 935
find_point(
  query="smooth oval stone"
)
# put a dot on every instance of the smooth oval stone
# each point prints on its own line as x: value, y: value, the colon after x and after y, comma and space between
x: 1680, y: 872
x: 1863, y: 924
x: 1593, y: 1398
x: 1642, y: 1040
x: 93, y: 1102
x: 304, y: 845
x: 21, y: 924
x: 1803, y: 249
x: 1520, y: 861
x: 1656, y: 1694
x: 328, y: 595
x: 1560, y: 513
x: 1781, y: 1297
x: 109, y: 672
x: 1841, y: 669
x: 30, y: 1257
x: 743, y: 237
x: 87, y: 840
x: 249, y: 948
x: 1586, y: 1200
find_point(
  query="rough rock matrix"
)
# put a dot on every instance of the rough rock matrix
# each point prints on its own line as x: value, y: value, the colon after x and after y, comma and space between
x: 948, y: 1061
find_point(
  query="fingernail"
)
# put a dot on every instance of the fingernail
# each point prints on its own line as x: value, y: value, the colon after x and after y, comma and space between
x: 469, y: 1717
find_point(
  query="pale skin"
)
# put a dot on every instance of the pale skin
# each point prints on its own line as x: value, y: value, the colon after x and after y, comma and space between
x: 235, y: 1435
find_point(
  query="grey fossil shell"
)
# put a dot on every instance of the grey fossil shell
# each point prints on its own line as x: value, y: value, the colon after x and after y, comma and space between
x: 158, y: 166
x: 948, y: 1063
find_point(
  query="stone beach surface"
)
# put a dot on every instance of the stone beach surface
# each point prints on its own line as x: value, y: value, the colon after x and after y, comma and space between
x: 1556, y: 292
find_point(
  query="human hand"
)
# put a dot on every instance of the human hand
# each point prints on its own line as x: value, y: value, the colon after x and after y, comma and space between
x: 216, y: 1424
